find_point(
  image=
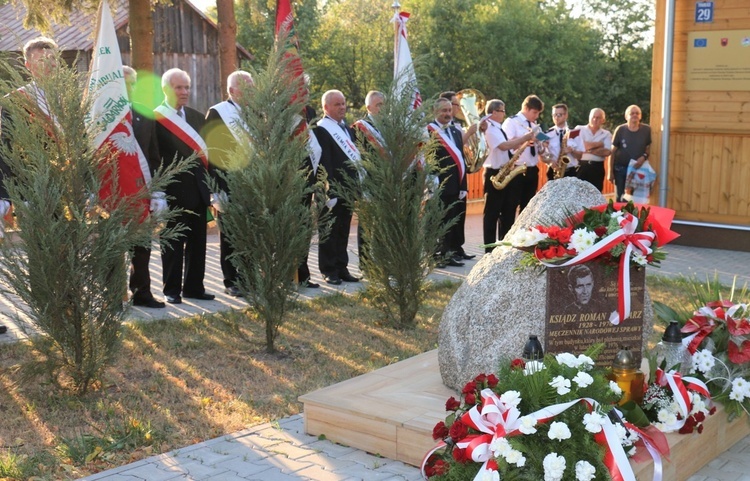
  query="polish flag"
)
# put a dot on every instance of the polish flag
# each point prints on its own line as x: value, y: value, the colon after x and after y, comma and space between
x: 403, y: 68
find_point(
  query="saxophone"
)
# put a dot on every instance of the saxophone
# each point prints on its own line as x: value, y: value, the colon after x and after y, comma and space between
x: 562, y: 159
x: 509, y: 171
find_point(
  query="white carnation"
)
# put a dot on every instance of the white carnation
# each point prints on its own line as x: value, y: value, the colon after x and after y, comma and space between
x: 585, y: 471
x: 527, y: 238
x: 617, y: 390
x: 561, y: 384
x: 567, y: 359
x: 511, y: 398
x: 585, y: 362
x: 559, y: 430
x: 500, y: 447
x: 533, y: 366
x: 489, y: 475
x: 554, y: 467
x: 583, y: 379
x: 593, y: 422
x: 527, y: 425
x: 516, y: 457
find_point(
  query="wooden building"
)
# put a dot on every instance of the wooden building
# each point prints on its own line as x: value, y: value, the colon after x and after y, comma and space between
x: 708, y: 163
x: 184, y: 37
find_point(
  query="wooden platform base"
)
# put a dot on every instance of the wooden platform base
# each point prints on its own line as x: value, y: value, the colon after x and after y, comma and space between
x: 391, y: 412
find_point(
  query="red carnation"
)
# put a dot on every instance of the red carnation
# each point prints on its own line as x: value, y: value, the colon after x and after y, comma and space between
x: 699, y: 416
x: 700, y: 428
x: 564, y: 235
x: 712, y: 410
x: 470, y: 387
x: 470, y: 398
x: 452, y: 404
x: 460, y: 456
x: 458, y: 430
x: 517, y: 363
x: 492, y: 381
x: 439, y: 431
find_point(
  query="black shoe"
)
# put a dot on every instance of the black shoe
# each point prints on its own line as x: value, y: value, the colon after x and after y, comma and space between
x: 349, y: 278
x: 335, y: 280
x: 454, y: 263
x: 3, y: 329
x: 232, y: 291
x: 467, y: 256
x: 201, y: 297
x: 441, y: 264
x: 173, y: 299
x: 148, y: 302
x: 309, y: 284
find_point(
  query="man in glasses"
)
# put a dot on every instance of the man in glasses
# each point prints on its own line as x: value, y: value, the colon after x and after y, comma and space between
x: 573, y: 149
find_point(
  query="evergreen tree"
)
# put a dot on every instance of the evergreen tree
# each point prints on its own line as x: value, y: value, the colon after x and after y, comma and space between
x: 265, y: 218
x: 400, y: 219
x: 68, y: 263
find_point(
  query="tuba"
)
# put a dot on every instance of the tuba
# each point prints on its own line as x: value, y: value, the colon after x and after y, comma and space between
x: 472, y: 106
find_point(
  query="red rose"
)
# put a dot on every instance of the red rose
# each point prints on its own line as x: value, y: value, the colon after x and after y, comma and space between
x: 480, y: 379
x: 458, y: 431
x: 440, y: 431
x: 492, y: 381
x: 518, y: 363
x: 600, y: 231
x: 712, y: 410
x: 440, y: 467
x: 470, y: 387
x: 452, y: 404
x: 560, y: 251
x: 470, y: 398
x: 700, y: 428
x: 460, y: 455
x: 739, y: 354
x: 699, y: 416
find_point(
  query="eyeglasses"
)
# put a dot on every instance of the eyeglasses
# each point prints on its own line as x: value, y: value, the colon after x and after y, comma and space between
x: 455, y: 105
x: 558, y: 115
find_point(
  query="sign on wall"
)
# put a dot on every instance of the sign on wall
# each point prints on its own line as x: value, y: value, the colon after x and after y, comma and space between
x: 718, y: 60
x: 704, y: 12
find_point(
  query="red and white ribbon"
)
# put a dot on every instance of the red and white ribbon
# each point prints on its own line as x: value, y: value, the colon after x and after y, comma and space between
x: 680, y: 386
x: 633, y: 240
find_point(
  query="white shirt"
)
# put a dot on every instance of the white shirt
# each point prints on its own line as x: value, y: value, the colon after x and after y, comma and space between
x: 494, y: 137
x: 518, y: 126
x: 554, y: 143
x: 601, y: 135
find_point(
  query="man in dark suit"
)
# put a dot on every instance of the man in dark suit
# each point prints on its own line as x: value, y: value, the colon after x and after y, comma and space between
x: 338, y: 152
x: 177, y: 131
x: 144, y: 129
x: 222, y: 132
x: 449, y: 155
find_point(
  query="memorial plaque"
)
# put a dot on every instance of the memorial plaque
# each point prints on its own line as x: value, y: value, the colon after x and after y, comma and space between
x: 580, y: 300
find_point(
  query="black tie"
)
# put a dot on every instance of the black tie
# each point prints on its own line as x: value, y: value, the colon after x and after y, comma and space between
x: 179, y: 113
x: 533, y: 149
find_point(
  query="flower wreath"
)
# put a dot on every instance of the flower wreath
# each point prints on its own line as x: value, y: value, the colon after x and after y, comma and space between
x: 619, y: 234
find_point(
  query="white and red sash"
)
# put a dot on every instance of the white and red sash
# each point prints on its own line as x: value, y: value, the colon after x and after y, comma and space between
x: 179, y: 127
x: 447, y: 141
x: 230, y: 115
x: 341, y: 138
x: 370, y: 132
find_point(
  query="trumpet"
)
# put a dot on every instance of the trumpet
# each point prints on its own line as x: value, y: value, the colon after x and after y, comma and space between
x: 475, y: 150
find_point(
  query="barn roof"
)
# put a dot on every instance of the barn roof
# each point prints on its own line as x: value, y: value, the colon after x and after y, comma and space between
x: 78, y: 35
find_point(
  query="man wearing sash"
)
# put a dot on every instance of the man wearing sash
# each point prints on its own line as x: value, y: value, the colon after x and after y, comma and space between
x: 338, y: 153
x: 177, y: 133
x: 144, y: 130
x: 39, y: 58
x: 223, y: 131
x: 369, y: 137
x: 449, y: 155
x: 522, y: 188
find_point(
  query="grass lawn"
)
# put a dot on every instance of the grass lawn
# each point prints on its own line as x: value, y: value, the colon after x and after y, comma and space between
x: 176, y: 383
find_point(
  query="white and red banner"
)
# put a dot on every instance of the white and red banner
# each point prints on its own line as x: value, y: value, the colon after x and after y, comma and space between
x: 110, y: 114
x: 403, y: 68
